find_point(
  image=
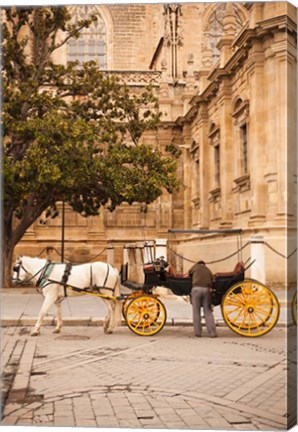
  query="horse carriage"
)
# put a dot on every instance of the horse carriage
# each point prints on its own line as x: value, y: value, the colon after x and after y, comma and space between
x: 248, y: 307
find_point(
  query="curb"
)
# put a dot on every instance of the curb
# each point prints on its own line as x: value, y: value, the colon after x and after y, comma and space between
x: 97, y: 322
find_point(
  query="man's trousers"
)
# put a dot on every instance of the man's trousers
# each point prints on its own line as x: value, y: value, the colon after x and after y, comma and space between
x: 201, y: 298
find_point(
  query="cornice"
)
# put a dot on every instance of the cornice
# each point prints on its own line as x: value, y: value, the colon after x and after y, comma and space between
x: 242, y: 44
x: 282, y: 22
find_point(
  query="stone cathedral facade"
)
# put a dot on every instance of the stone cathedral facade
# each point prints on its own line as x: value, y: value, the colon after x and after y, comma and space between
x: 225, y: 77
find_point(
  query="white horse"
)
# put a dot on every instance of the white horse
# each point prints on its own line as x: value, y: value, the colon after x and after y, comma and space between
x: 58, y: 280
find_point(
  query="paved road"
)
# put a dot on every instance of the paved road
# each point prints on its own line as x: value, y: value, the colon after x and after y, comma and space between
x: 83, y: 377
x: 21, y: 306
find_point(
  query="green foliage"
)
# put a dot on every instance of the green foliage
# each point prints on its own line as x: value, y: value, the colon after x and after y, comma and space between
x: 71, y: 132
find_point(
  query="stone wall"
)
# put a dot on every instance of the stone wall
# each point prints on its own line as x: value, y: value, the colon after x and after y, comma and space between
x: 207, y: 103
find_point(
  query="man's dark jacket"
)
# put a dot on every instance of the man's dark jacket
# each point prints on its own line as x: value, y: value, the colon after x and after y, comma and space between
x: 201, y: 276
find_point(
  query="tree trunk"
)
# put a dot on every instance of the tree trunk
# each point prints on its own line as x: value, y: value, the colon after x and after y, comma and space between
x: 7, y: 265
x: 10, y: 240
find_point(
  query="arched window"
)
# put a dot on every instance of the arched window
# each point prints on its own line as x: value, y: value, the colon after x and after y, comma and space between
x: 214, y: 137
x: 241, y: 139
x: 195, y: 154
x: 92, y: 43
x: 213, y: 27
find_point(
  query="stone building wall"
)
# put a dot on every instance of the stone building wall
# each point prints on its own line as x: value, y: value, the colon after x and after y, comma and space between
x: 229, y: 71
x: 132, y: 31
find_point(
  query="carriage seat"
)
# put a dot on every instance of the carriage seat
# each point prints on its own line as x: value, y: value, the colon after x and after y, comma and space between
x: 239, y: 268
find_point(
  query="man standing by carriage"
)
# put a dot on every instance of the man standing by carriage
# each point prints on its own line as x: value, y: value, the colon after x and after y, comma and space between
x: 201, y: 298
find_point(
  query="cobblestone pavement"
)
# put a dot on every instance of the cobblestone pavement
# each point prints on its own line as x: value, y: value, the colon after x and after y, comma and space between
x: 85, y: 378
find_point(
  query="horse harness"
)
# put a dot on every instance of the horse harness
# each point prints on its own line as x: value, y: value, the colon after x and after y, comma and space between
x: 44, y: 279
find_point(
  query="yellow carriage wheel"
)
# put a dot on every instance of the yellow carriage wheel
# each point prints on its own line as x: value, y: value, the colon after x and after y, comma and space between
x: 294, y: 308
x: 250, y: 309
x: 145, y: 315
x: 128, y: 300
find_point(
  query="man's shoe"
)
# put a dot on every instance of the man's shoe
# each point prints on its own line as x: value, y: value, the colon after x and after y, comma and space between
x: 213, y: 336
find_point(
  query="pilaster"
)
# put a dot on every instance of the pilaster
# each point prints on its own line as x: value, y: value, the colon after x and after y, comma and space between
x: 204, y: 167
x: 257, y: 135
x: 226, y: 156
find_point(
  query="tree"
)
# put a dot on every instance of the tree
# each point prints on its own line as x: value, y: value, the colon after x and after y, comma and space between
x: 70, y: 132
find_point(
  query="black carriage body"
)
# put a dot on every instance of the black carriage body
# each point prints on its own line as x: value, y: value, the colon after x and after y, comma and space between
x: 248, y: 307
x: 155, y: 275
x: 181, y: 285
x: 222, y: 283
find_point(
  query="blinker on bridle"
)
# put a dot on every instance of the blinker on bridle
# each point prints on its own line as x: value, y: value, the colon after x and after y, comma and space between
x: 20, y: 266
x: 17, y: 269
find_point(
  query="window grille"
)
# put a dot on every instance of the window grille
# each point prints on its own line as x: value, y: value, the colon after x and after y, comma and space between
x: 92, y: 43
x: 244, y: 148
x: 217, y: 164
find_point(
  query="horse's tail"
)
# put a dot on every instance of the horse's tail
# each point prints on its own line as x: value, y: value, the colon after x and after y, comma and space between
x: 118, y: 303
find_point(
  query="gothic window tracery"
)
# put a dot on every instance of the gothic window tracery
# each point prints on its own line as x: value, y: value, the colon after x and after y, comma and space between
x: 214, y: 27
x: 92, y: 43
x: 172, y: 33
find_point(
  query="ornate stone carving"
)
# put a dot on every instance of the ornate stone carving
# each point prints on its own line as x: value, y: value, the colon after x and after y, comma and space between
x: 142, y: 78
x: 214, y: 27
x: 172, y: 33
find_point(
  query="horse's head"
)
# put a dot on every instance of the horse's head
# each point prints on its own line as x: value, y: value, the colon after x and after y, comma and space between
x: 20, y: 274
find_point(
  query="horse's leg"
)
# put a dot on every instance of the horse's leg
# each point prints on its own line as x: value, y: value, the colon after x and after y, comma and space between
x: 116, y: 307
x: 59, y: 317
x: 118, y: 313
x: 108, y: 321
x: 49, y: 300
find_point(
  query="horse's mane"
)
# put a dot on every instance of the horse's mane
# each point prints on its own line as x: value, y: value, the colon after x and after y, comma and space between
x: 36, y: 259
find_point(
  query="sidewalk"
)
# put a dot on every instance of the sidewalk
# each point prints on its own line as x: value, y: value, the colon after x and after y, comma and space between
x: 20, y: 306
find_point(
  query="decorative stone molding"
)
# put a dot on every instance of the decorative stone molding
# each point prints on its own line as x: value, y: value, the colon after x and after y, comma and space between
x: 242, y: 183
x: 196, y: 203
x: 172, y: 34
x: 215, y: 194
x: 195, y: 151
x: 241, y: 110
x: 138, y: 78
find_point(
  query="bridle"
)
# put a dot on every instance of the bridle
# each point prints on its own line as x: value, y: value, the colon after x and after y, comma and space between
x: 17, y: 268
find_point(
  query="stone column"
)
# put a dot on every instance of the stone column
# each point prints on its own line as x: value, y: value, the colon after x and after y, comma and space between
x: 204, y: 168
x: 226, y: 153
x: 282, y: 125
x: 161, y: 248
x: 272, y: 154
x: 164, y: 205
x: 133, y: 257
x: 188, y: 175
x: 110, y: 255
x: 257, y: 135
x: 258, y: 270
x: 228, y: 35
